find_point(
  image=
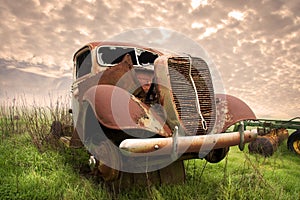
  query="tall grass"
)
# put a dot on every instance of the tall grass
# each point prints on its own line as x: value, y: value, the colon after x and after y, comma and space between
x: 19, y: 116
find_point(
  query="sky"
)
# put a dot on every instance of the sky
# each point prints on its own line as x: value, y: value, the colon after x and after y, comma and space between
x: 254, y: 44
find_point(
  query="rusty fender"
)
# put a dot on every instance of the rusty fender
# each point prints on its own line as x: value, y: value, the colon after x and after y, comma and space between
x: 117, y: 109
x: 184, y: 144
x: 235, y: 110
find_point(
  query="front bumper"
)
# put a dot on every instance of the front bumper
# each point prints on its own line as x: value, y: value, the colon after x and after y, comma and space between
x: 185, y: 144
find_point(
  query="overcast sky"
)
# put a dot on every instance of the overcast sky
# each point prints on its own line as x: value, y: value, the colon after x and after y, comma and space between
x: 254, y: 44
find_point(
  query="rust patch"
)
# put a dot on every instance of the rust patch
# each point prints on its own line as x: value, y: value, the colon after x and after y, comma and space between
x: 153, y: 120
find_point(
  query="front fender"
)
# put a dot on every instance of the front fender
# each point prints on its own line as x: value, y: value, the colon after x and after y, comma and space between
x: 117, y: 109
x: 236, y: 110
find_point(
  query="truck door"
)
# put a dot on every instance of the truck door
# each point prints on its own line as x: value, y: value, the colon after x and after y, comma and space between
x: 81, y: 71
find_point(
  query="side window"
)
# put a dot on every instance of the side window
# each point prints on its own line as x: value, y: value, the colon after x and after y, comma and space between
x: 83, y: 64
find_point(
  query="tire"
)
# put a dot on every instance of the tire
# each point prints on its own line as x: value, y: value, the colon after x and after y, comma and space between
x: 93, y: 132
x: 293, y: 142
x: 216, y: 155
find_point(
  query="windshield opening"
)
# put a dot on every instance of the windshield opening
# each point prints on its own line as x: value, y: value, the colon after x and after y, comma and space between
x: 112, y: 55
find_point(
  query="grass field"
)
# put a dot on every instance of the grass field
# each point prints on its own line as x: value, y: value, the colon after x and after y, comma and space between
x: 31, y: 167
x: 27, y: 173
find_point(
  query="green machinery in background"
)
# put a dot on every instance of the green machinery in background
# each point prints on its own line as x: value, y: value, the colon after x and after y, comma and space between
x: 271, y: 133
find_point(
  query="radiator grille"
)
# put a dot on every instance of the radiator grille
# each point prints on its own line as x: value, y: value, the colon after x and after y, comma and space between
x: 185, y: 97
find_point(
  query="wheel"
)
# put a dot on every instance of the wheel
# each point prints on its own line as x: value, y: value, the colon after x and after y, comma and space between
x: 93, y: 132
x: 108, y: 161
x: 293, y: 142
x: 216, y: 155
x: 56, y: 129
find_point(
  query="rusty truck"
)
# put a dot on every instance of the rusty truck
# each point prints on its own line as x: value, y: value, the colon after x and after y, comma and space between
x: 141, y: 112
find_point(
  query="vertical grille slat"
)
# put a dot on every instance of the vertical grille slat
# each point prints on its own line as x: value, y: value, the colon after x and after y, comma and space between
x: 185, y: 97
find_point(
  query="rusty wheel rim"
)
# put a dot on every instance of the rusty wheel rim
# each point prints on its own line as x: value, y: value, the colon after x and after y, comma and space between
x: 296, y: 145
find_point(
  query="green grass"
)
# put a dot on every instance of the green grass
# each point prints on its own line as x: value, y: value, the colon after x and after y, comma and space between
x: 54, y: 174
x: 27, y: 173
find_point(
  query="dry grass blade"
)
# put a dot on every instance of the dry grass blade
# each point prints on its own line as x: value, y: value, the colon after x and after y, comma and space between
x: 19, y: 116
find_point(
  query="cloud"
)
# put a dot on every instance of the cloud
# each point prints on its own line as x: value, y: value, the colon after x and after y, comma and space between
x: 237, y: 15
x: 256, y: 59
x: 254, y: 44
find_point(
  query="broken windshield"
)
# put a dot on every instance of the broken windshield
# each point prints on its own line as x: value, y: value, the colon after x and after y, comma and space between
x: 112, y: 55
